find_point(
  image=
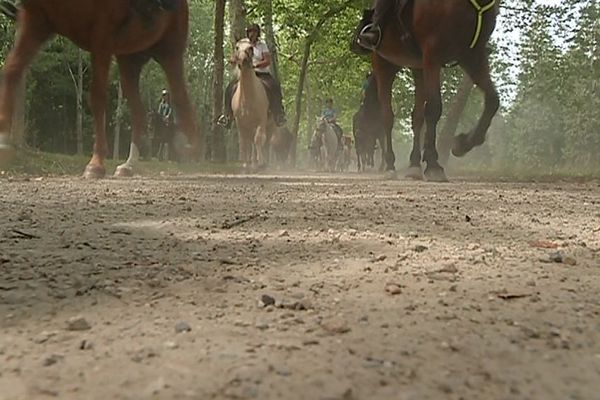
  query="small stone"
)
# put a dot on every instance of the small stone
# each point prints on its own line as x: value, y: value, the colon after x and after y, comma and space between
x: 170, y: 345
x: 420, y: 248
x: 569, y: 261
x: 556, y: 257
x: 52, y: 359
x: 44, y: 337
x: 263, y: 326
x: 379, y: 258
x: 78, y: 324
x: 86, y: 345
x: 393, y: 289
x: 182, y: 326
x: 310, y: 342
x: 266, y: 300
x: 284, y: 233
x: 335, y: 326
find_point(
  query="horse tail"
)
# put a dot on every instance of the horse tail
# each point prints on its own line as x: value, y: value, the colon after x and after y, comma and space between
x: 9, y: 9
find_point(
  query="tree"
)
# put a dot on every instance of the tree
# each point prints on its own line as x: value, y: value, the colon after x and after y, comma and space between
x: 219, y: 69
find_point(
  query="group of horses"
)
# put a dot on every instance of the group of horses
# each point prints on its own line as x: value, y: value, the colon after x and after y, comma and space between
x: 329, y: 152
x: 423, y: 35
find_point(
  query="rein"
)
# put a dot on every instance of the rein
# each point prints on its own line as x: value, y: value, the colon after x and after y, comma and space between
x: 480, y: 11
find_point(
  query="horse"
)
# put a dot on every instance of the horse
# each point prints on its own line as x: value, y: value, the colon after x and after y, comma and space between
x: 367, y: 127
x: 250, y: 106
x: 328, y: 151
x: 345, y: 157
x: 426, y: 35
x: 133, y: 31
x: 281, y: 144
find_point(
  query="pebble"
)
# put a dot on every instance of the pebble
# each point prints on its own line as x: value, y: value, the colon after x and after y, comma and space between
x: 335, y: 326
x: 78, y: 324
x: 182, y: 326
x: 52, y: 359
x: 170, y: 345
x: 393, y: 288
x: 266, y: 300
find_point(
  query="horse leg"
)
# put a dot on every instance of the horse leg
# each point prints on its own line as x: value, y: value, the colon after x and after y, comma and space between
x: 433, y: 111
x: 418, y: 119
x: 100, y: 66
x: 260, y: 141
x: 172, y: 64
x: 130, y: 68
x: 479, y: 71
x: 385, y: 73
x: 30, y: 37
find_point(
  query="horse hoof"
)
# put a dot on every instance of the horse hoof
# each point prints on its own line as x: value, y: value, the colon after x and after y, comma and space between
x: 461, y: 145
x: 414, y: 173
x: 435, y: 174
x: 6, y: 151
x: 94, y: 172
x: 391, y: 175
x: 124, y: 171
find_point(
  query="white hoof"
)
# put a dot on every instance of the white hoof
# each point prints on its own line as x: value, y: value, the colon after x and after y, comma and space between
x: 124, y: 171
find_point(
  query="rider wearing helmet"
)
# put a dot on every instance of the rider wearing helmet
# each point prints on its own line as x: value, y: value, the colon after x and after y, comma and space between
x: 261, y: 61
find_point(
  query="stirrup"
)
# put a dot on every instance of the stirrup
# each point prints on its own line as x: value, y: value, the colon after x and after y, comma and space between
x: 224, y: 121
x: 366, y: 36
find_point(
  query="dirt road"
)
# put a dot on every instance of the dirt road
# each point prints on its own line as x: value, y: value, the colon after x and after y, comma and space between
x: 302, y: 287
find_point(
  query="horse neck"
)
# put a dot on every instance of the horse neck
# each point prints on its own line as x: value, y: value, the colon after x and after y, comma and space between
x: 248, y: 83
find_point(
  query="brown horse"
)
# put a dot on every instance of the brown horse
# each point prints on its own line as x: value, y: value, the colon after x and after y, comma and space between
x: 281, y: 143
x: 134, y: 31
x: 425, y: 35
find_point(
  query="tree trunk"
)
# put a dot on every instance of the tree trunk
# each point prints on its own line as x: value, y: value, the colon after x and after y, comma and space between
x: 219, y: 69
x: 455, y: 111
x: 270, y: 38
x: 119, y: 113
x: 237, y: 21
x: 79, y: 90
x: 303, y: 69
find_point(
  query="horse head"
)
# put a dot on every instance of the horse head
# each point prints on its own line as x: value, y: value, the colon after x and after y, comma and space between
x: 242, y: 54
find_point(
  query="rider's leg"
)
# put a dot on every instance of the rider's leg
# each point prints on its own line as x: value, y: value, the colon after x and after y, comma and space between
x: 226, y: 119
x: 370, y: 37
x: 275, y: 98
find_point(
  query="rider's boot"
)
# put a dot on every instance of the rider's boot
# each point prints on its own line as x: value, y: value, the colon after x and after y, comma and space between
x: 225, y: 121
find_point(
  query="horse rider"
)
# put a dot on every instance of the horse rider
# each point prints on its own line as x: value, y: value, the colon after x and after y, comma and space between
x: 261, y: 61
x: 365, y: 85
x: 329, y: 115
x: 167, y: 122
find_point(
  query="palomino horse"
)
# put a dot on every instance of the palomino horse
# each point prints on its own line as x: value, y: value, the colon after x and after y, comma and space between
x: 329, y: 150
x: 367, y: 127
x: 425, y: 35
x: 250, y: 106
x: 132, y: 30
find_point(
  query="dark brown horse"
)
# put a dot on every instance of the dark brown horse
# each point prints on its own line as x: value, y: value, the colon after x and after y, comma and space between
x: 133, y: 31
x: 425, y: 35
x: 367, y: 127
